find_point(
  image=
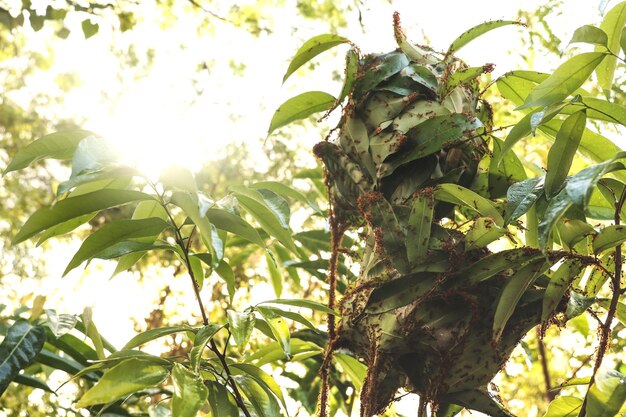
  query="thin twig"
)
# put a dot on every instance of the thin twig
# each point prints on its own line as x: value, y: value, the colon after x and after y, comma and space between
x: 549, y: 394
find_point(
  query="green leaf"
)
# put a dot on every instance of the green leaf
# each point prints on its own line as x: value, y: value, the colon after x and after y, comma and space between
x: 559, y: 283
x: 300, y: 107
x: 313, y: 305
x: 224, y: 220
x: 355, y: 370
x: 580, y: 185
x: 350, y: 72
x: 279, y: 328
x: 462, y: 77
x: 190, y: 393
x: 419, y: 227
x: 275, y: 275
x: 125, y: 378
x: 495, y: 263
x: 73, y: 207
x: 93, y: 154
x: 515, y: 287
x: 203, y: 336
x: 91, y: 331
x: 190, y: 204
x: 221, y: 401
x: 521, y: 129
x: 605, y: 110
x: 432, y: 135
x: 262, y: 400
x: 456, y: 194
x: 226, y: 273
x: 113, y: 233
x: 590, y: 34
x: 45, y: 357
x: 378, y: 69
x: 566, y: 79
x: 572, y: 231
x: 563, y: 150
x: 31, y: 381
x: 504, y: 170
x: 178, y: 178
x: 262, y: 378
x: 274, y: 351
x: 129, y: 247
x: 564, y: 406
x: 608, y: 238
x: 19, y: 347
x: 286, y: 191
x: 557, y: 207
x: 622, y: 41
x: 269, y: 219
x: 241, y: 325
x: 471, y: 34
x: 152, y: 334
x: 89, y: 28
x: 311, y: 48
x: 482, y: 233
x: 613, y: 26
x: 607, y: 394
x: 59, y: 145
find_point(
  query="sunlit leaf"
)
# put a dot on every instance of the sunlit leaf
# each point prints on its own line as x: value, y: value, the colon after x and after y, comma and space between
x: 113, y: 233
x: 190, y: 393
x: 278, y: 326
x: 31, y: 381
x: 608, y: 238
x: 504, y: 171
x: 287, y: 191
x: 613, y: 26
x: 241, y: 325
x: 607, y: 394
x: 300, y: 107
x: 19, y: 347
x: 457, y: 194
x: 191, y: 206
x: 482, y: 233
x: 124, y: 378
x: 311, y: 48
x: 559, y: 283
x: 73, y: 207
x: 350, y: 72
x: 355, y: 370
x: 313, y: 305
x: 419, y: 227
x: 563, y: 150
x: 262, y: 378
x: 557, y: 207
x: 477, y: 31
x: 60, y: 324
x: 276, y: 277
x: 512, y: 292
x: 568, y: 77
x: 590, y: 34
x: 221, y: 401
x: 224, y: 220
x: 152, y: 334
x: 92, y: 154
x: 59, y: 145
x: 178, y: 178
x: 564, y: 406
x: 262, y: 400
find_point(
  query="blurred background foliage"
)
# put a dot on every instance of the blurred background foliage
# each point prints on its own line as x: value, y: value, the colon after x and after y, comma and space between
x: 36, y: 101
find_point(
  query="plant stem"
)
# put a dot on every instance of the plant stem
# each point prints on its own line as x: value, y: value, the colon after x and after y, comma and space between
x: 549, y: 394
x: 605, y: 329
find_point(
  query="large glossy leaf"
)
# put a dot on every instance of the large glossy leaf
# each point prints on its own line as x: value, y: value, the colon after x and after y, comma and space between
x: 564, y: 406
x: 19, y: 347
x: 590, y: 34
x: 566, y: 79
x: 226, y: 273
x: 355, y: 370
x: 224, y: 220
x: 262, y: 400
x: 521, y: 196
x: 300, y: 107
x: 178, y: 178
x: 114, y: 233
x: 278, y: 326
x: 93, y: 154
x: 31, y: 381
x: 125, y: 378
x: 276, y: 277
x: 203, y: 336
x: 432, y: 135
x: 505, y: 170
x: 419, y: 227
x: 512, y: 292
x: 607, y: 394
x: 190, y: 204
x: 378, y: 70
x: 91, y: 331
x: 73, y: 207
x: 557, y: 207
x: 313, y: 305
x: 497, y: 262
x: 462, y: 77
x: 55, y: 361
x: 350, y: 72
x: 190, y: 393
x: 59, y: 145
x: 602, y: 110
x: 261, y: 377
x: 60, y: 324
x: 269, y: 219
x: 471, y: 34
x: 563, y: 150
x: 580, y: 185
x: 221, y: 401
x: 608, y: 238
x: 482, y: 232
x: 559, y: 283
x: 241, y: 325
x: 152, y: 334
x: 274, y: 351
x: 286, y: 191
x: 519, y: 132
x: 457, y: 194
x: 311, y: 48
x: 613, y: 26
